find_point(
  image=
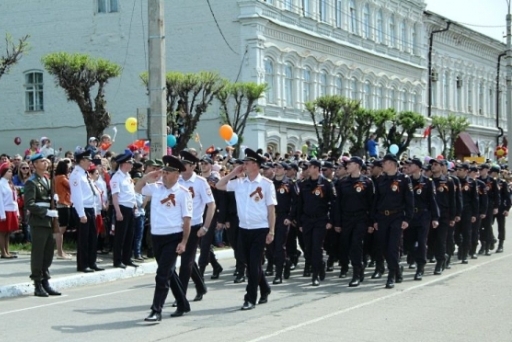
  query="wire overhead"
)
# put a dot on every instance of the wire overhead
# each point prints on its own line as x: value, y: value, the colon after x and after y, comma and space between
x: 220, y: 30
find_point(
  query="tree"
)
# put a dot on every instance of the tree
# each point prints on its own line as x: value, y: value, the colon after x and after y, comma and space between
x: 80, y: 75
x: 404, y: 126
x: 188, y: 97
x: 237, y: 102
x: 449, y: 128
x: 335, y: 116
x: 13, y: 53
x: 364, y: 121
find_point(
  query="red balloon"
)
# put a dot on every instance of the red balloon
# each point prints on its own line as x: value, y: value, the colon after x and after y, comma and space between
x: 17, y: 140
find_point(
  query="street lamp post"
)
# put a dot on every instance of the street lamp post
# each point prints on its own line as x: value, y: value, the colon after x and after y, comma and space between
x: 429, y: 110
x: 509, y: 80
x: 498, y: 99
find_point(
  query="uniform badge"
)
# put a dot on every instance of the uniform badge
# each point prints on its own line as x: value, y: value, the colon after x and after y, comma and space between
x: 466, y: 188
x: 189, y: 205
x: 394, y: 188
x: 168, y: 204
x: 358, y: 189
x: 256, y: 198
x: 209, y: 192
x: 75, y: 183
x: 281, y: 191
x: 317, y: 192
x: 418, y: 191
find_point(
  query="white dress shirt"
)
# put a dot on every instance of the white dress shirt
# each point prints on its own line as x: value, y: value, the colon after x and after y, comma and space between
x: 252, y: 200
x: 122, y: 184
x: 201, y: 195
x: 166, y: 214
x: 82, y: 195
x: 8, y: 199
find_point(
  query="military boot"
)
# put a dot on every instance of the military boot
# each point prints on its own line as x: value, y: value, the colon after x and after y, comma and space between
x: 39, y: 290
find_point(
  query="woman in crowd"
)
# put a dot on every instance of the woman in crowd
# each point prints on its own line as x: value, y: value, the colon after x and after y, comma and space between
x: 9, y: 212
x: 33, y: 149
x: 19, y: 180
x: 63, y: 204
x: 23, y: 175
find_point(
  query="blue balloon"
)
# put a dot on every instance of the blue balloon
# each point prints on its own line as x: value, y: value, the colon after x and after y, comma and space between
x: 393, y: 149
x: 171, y: 141
x: 233, y: 140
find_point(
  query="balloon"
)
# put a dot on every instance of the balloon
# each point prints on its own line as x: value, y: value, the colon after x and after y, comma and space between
x: 131, y: 125
x: 440, y: 157
x: 427, y: 159
x: 17, y: 140
x: 393, y: 149
x: 226, y: 132
x: 233, y: 141
x: 171, y: 140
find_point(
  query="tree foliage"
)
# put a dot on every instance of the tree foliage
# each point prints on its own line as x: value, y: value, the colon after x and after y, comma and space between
x: 13, y: 53
x: 404, y: 126
x: 237, y: 102
x: 448, y: 128
x: 367, y: 121
x: 79, y: 75
x: 333, y: 120
x: 188, y: 97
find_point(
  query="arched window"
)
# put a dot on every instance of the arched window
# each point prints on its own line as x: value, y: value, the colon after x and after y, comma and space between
x: 339, y: 85
x: 379, y: 97
x: 305, y: 8
x: 367, y: 95
x: 323, y: 83
x: 414, y: 47
x: 392, y: 32
x: 481, y: 98
x: 353, y: 17
x: 34, y: 99
x: 492, y: 101
x: 458, y: 94
x: 446, y: 90
x: 269, y: 80
x: 404, y: 41
x: 354, y: 94
x: 322, y: 10
x: 380, y: 28
x: 405, y: 100
x: 288, y: 85
x: 417, y: 102
x: 366, y: 21
x: 470, y: 96
x: 392, y: 98
x: 434, y: 87
x: 339, y: 13
x: 307, y: 86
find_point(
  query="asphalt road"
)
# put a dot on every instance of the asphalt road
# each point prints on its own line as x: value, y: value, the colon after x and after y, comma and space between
x: 467, y: 303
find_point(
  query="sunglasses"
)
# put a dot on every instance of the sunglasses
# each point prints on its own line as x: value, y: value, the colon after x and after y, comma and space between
x: 25, y: 168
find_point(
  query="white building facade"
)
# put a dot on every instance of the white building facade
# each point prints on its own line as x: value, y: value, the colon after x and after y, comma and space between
x: 374, y: 51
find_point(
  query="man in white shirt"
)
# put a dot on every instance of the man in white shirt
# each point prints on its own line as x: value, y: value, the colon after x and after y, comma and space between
x: 83, y: 196
x: 171, y: 213
x: 255, y: 200
x: 123, y: 199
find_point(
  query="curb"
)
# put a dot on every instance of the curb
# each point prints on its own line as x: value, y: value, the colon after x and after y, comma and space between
x: 84, y: 279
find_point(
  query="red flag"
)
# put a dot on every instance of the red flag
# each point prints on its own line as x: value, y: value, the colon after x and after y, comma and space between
x: 427, y: 131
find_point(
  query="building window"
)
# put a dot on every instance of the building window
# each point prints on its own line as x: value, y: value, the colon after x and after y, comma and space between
x: 354, y: 95
x: 339, y: 85
x: 323, y: 83
x: 288, y: 85
x: 414, y: 47
x: 366, y: 21
x: 470, y: 97
x: 392, y: 98
x: 269, y: 80
x: 380, y: 28
x: 322, y: 10
x: 405, y: 100
x: 308, y: 86
x: 288, y: 4
x: 446, y: 91
x: 305, y: 8
x: 392, y: 32
x: 379, y: 98
x: 339, y: 13
x: 403, y: 37
x: 458, y: 94
x: 353, y: 17
x: 481, y: 99
x: 108, y: 6
x: 367, y: 95
x: 34, y: 92
x: 492, y: 101
x: 417, y: 102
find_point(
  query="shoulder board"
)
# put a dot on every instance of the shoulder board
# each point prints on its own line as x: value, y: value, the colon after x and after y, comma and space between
x: 183, y: 188
x: 430, y: 179
x: 266, y: 179
x: 328, y: 180
x: 406, y: 176
x: 202, y: 178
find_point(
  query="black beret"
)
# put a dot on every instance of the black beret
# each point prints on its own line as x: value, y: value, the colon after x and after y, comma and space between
x: 187, y: 157
x: 171, y: 163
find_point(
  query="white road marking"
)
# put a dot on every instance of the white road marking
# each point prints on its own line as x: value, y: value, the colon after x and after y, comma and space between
x: 373, y: 301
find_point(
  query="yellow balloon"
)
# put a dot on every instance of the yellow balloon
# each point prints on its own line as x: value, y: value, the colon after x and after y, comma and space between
x: 131, y: 125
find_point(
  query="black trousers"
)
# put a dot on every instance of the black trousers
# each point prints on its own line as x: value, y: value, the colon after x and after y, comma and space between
x: 313, y: 232
x: 388, y: 237
x: 188, y: 266
x: 232, y: 233
x: 276, y: 251
x: 475, y: 235
x: 417, y: 238
x: 500, y: 218
x: 123, y: 236
x: 353, y: 229
x: 41, y: 254
x: 332, y: 243
x: 164, y: 247
x: 486, y: 234
x: 87, y: 242
x: 252, y: 243
x: 463, y: 233
x: 207, y: 255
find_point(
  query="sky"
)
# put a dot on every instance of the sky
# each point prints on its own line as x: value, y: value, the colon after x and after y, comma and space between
x: 474, y: 12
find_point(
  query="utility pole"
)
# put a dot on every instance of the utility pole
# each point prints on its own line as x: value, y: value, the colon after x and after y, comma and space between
x: 498, y: 107
x: 156, y: 82
x: 509, y: 81
x: 429, y: 109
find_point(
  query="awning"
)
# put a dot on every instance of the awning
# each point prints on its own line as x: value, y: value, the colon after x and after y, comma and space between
x: 465, y: 146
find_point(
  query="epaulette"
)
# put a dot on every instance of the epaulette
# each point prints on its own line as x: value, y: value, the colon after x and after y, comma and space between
x: 268, y: 180
x: 183, y: 188
x: 430, y: 179
x: 328, y: 180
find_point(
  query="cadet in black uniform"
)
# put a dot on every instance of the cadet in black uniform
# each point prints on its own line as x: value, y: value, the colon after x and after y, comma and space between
x: 446, y: 201
x: 450, y: 242
x: 482, y: 208
x: 354, y: 202
x: 426, y: 212
x: 393, y: 210
x: 469, y: 210
x: 486, y: 235
x: 285, y: 211
x: 293, y: 232
x: 504, y: 207
x: 316, y: 196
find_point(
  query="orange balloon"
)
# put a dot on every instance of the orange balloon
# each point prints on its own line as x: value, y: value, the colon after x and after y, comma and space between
x: 226, y: 132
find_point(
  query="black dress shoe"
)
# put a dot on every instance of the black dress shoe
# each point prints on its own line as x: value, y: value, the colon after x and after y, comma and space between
x: 474, y: 256
x: 247, y: 306
x: 216, y: 273
x: 121, y: 265
x: 264, y: 298
x: 487, y: 252
x: 418, y: 275
x: 97, y: 269
x: 179, y: 313
x: 343, y: 273
x: 198, y: 297
x: 412, y: 266
x: 322, y: 271
x: 277, y: 281
x: 432, y: 261
x: 355, y: 281
x: 153, y: 317
x: 49, y: 289
x: 239, y: 279
x: 400, y: 274
x: 439, y: 268
x: 175, y: 304
x: 86, y: 270
x: 287, y: 269
x: 390, y: 283
x: 39, y: 290
x: 131, y: 264
x: 315, y: 282
x: 465, y: 261
x: 371, y: 264
x: 377, y: 274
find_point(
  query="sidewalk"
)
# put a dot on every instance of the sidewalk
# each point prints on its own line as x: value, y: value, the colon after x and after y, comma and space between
x: 15, y: 281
